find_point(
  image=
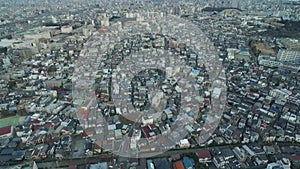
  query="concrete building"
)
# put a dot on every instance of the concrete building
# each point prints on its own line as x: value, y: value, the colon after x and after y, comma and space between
x: 104, y: 21
x: 289, y: 56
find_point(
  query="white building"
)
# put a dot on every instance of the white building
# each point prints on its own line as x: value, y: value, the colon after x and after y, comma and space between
x: 147, y: 120
x: 104, y: 21
x: 216, y: 93
x: 184, y: 143
x: 66, y: 29
x: 284, y: 164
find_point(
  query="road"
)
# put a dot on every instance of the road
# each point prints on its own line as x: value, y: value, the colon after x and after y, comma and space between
x: 75, y: 161
x: 109, y: 157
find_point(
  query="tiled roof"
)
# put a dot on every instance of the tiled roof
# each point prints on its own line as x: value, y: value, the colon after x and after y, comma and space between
x: 204, y: 154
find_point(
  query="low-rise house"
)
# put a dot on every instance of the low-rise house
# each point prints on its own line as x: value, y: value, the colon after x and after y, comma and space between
x: 269, y: 150
x: 18, y: 155
x: 270, y: 136
x: 4, y: 142
x: 150, y: 164
x: 150, y: 132
x: 219, y: 162
x: 284, y: 163
x: 249, y: 151
x: 184, y: 143
x: 43, y: 152
x: 227, y: 154
x: 35, y: 154
x: 162, y: 163
x: 118, y: 134
x: 188, y: 163
x: 204, y: 156
x: 297, y: 137
x: 9, y: 154
x: 237, y: 135
x: 295, y: 161
x: 240, y: 153
x: 178, y: 165
x: 103, y: 165
x: 263, y: 158
x: 59, y: 154
x: 7, y: 151
x: 175, y: 157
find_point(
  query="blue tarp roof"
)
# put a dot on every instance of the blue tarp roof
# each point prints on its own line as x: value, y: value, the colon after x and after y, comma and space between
x: 7, y: 151
x: 19, y: 153
x: 188, y: 162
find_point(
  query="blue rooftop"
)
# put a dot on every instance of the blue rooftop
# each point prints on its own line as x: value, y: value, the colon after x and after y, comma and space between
x: 7, y: 151
x: 188, y: 162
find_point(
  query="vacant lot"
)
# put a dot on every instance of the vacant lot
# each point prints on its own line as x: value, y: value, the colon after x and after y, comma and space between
x: 265, y: 50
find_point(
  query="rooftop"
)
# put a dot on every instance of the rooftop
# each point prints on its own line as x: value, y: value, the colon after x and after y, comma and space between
x: 204, y: 154
x: 5, y: 130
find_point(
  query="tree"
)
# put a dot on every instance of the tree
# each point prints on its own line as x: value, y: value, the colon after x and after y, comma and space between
x: 52, y: 68
x: 12, y: 84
